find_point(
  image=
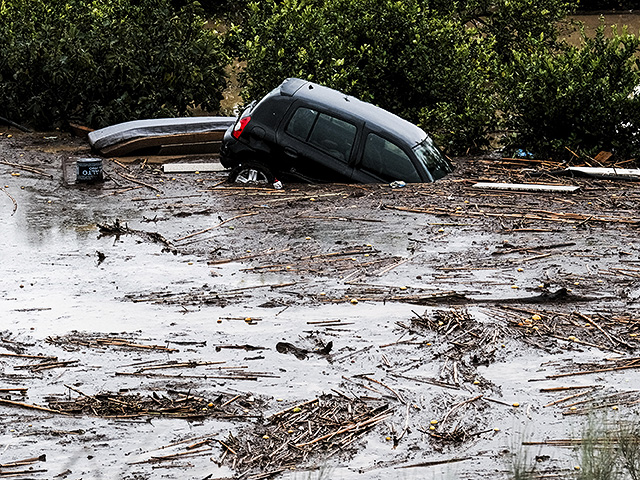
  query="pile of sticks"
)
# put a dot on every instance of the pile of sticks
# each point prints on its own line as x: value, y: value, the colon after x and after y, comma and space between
x: 530, y: 214
x: 445, y: 321
x: 71, y: 342
x: 584, y: 399
x: 172, y: 404
x: 617, y: 334
x: 460, y: 333
x: 325, y: 425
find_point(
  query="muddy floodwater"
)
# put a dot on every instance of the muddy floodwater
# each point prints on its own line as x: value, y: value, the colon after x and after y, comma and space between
x: 176, y: 326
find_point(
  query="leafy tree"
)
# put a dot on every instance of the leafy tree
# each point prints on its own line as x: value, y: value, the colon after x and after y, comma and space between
x: 398, y: 55
x: 461, y: 69
x: 580, y: 98
x: 100, y: 63
x: 511, y: 23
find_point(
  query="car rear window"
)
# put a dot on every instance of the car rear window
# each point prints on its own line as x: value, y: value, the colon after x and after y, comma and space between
x: 388, y: 161
x: 330, y: 134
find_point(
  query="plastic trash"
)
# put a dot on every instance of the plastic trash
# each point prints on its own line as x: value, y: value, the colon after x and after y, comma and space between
x: 277, y: 184
x: 398, y: 184
x: 520, y: 153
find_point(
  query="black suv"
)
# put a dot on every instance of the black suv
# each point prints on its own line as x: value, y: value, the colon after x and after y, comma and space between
x: 304, y: 131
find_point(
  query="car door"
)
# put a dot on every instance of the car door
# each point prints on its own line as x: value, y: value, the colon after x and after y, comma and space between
x: 382, y: 160
x: 317, y: 145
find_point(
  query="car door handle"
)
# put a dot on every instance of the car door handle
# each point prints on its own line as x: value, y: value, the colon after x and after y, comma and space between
x: 290, y: 152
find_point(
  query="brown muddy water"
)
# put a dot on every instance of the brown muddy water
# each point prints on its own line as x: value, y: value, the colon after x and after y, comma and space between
x: 429, y: 295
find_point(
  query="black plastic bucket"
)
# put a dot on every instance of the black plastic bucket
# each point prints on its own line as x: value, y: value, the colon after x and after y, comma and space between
x: 89, y: 170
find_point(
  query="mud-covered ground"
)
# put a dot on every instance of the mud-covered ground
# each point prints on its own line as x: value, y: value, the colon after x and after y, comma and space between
x: 175, y: 326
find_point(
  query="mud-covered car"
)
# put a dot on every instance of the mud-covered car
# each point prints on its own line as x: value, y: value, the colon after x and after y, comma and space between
x: 302, y: 131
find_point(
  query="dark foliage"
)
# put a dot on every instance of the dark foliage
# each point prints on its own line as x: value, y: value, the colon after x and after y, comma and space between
x: 100, y: 63
x: 467, y: 71
x: 579, y: 98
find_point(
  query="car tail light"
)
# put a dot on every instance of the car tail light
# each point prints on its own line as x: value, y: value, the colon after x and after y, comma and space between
x: 239, y: 128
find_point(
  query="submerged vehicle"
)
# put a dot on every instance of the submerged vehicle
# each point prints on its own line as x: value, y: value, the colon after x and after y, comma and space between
x: 302, y: 131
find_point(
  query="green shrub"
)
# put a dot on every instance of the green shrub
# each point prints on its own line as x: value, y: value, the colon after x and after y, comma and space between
x: 100, y: 63
x: 401, y: 56
x: 579, y: 98
x: 512, y: 22
x: 462, y: 70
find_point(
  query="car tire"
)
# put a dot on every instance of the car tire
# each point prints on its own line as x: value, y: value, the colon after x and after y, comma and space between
x: 251, y: 172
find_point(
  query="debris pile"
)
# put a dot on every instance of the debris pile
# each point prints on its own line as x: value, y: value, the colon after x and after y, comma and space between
x: 612, y: 333
x: 586, y: 399
x: 291, y: 437
x: 462, y: 341
x: 75, y: 341
x: 172, y: 404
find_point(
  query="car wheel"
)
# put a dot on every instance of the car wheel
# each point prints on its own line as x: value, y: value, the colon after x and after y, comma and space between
x: 251, y: 172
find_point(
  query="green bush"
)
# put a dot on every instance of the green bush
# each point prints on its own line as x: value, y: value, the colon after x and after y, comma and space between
x: 510, y: 23
x: 399, y: 55
x: 578, y: 98
x: 100, y: 63
x: 462, y: 70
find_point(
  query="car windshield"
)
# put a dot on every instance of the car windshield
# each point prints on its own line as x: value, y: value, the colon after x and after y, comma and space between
x: 432, y: 158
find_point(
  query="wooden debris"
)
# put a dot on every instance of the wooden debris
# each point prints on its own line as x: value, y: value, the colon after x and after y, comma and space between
x: 19, y: 355
x: 15, y: 203
x: 607, y: 173
x: 529, y: 249
x: 38, y: 367
x: 173, y: 456
x: 436, y: 462
x: 101, y: 342
x: 172, y: 404
x: 526, y: 187
x: 597, y: 330
x: 21, y: 473
x: 26, y: 461
x: 320, y: 427
x: 116, y: 228
x: 570, y: 397
x: 192, y: 167
x: 596, y: 370
x: 536, y: 215
x: 22, y: 390
x: 615, y: 399
x: 11, y: 403
x: 216, y: 226
x: 457, y: 406
x: 26, y: 168
x: 131, y: 178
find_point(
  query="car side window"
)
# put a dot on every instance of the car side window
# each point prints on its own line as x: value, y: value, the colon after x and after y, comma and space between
x: 331, y: 135
x: 334, y: 136
x: 300, y: 124
x: 388, y: 161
